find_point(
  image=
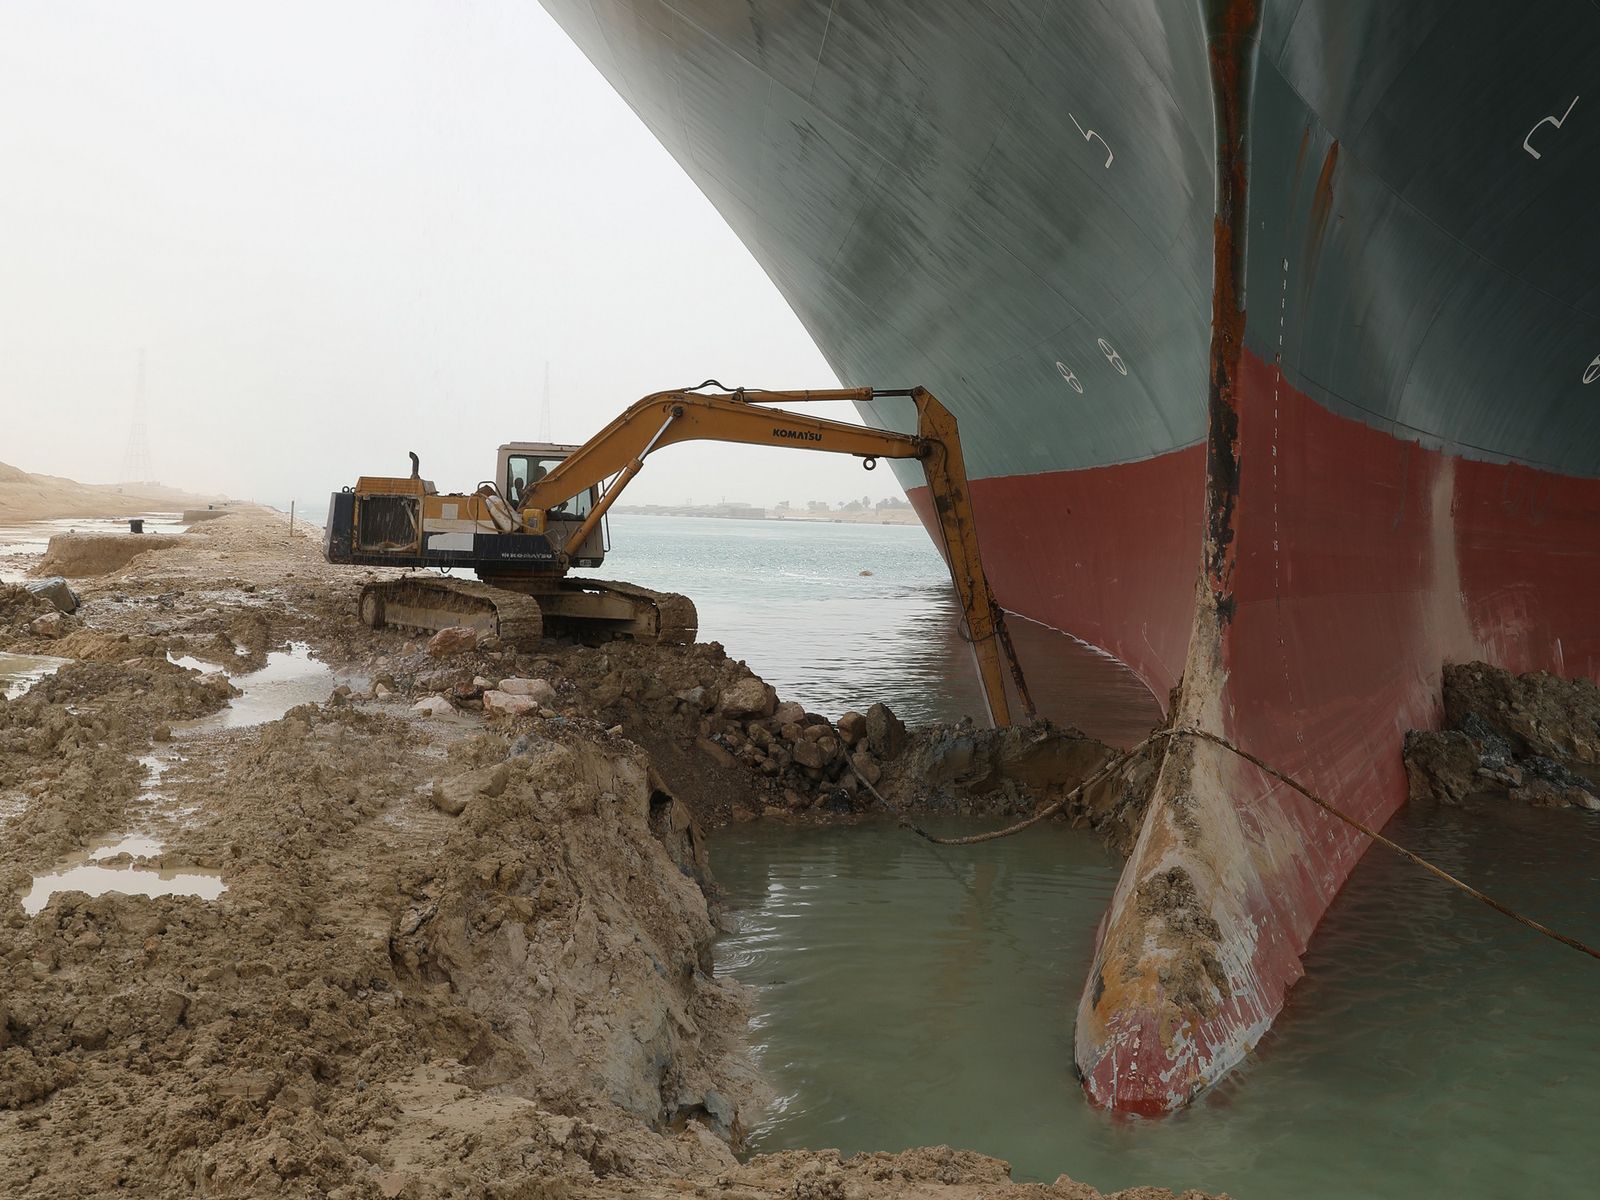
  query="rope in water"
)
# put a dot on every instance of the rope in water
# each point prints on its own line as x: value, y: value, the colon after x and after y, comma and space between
x: 1116, y: 764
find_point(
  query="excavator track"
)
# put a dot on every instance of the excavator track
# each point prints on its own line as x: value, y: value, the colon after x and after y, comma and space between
x: 586, y: 608
x: 677, y: 621
x: 428, y: 604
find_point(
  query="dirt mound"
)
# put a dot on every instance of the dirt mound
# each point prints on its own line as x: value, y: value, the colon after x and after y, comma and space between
x: 68, y: 750
x: 459, y: 954
x: 80, y: 555
x: 371, y: 963
x: 18, y: 608
x: 723, y: 742
x: 1532, y: 739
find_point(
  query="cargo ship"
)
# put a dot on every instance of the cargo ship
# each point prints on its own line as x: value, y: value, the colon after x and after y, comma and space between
x: 1273, y: 330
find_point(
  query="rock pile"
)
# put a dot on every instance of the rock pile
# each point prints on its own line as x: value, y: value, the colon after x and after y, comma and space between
x: 19, y: 608
x: 1533, y: 739
x: 735, y: 719
x: 723, y: 738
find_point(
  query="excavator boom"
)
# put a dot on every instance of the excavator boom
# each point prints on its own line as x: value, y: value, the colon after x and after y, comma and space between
x: 523, y: 531
x: 618, y: 452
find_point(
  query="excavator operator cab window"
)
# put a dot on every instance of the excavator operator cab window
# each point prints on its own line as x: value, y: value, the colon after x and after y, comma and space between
x: 524, y: 470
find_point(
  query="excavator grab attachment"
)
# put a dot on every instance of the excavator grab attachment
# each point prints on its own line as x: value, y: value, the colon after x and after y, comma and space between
x: 522, y: 557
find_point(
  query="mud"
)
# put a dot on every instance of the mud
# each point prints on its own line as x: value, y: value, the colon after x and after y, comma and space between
x: 1523, y: 739
x: 459, y: 952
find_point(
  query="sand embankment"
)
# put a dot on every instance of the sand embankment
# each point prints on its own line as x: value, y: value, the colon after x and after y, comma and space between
x: 461, y: 951
x: 25, y: 497
x: 80, y: 555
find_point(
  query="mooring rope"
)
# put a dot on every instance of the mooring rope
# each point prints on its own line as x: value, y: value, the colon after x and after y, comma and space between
x: 1119, y: 761
x: 1044, y: 813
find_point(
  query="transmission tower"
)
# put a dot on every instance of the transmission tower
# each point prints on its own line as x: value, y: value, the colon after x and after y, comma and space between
x: 136, y: 460
x: 544, y: 408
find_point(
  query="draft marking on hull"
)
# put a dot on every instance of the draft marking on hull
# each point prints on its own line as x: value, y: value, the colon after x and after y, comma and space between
x: 1527, y: 141
x: 1089, y: 134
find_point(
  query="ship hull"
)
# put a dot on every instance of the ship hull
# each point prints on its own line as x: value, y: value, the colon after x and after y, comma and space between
x: 1271, y: 331
x: 1365, y: 563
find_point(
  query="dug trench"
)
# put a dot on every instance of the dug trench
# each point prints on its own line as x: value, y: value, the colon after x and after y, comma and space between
x: 463, y: 945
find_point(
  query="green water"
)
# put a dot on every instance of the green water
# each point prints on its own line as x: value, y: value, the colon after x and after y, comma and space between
x: 907, y: 997
x: 789, y: 597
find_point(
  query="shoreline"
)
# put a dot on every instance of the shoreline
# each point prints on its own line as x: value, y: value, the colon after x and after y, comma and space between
x: 458, y: 953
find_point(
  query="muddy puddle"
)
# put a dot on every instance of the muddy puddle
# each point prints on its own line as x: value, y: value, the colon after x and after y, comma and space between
x: 290, y: 677
x: 97, y: 878
x: 119, y: 862
x: 19, y: 672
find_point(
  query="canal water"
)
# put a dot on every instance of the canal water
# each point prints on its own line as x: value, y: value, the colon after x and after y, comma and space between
x: 836, y: 616
x: 907, y: 995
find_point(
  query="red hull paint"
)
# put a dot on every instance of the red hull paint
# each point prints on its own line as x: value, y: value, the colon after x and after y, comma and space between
x: 1364, y: 563
x: 1108, y: 554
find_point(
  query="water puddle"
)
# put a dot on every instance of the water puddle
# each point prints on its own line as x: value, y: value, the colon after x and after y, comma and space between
x: 96, y: 880
x: 190, y: 663
x: 134, y: 845
x: 156, y: 765
x: 19, y: 672
x: 290, y: 678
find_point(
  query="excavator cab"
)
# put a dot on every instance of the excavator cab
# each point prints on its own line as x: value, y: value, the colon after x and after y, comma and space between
x: 523, y: 464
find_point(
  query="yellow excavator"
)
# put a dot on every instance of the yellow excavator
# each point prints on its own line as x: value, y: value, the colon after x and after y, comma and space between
x: 522, y: 531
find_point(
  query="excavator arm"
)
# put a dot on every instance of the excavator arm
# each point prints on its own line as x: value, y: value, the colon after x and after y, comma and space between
x: 741, y: 416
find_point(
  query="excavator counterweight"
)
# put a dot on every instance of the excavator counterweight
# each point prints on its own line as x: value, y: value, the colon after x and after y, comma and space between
x: 522, y: 531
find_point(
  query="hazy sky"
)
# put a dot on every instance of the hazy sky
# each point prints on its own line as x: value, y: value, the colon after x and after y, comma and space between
x: 344, y: 231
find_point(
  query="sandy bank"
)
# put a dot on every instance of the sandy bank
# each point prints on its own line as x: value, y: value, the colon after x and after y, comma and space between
x: 79, y: 555
x: 456, y: 954
x: 27, y: 497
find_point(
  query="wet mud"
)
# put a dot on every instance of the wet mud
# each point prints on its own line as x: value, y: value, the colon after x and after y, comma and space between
x: 1530, y: 740
x: 428, y: 942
